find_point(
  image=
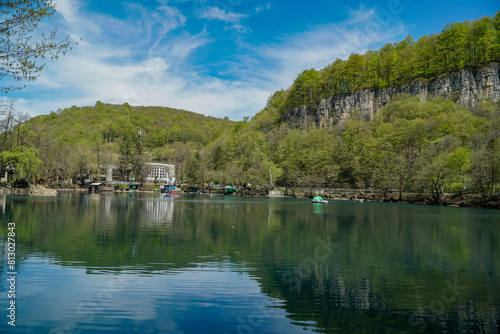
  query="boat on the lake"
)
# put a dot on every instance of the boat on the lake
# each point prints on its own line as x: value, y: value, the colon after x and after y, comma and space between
x: 319, y: 200
x: 168, y: 189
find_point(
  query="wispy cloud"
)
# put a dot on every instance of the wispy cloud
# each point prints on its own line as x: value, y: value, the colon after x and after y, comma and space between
x: 321, y: 45
x: 215, y: 13
x: 232, y: 19
x: 74, y: 22
x: 261, y: 8
x: 158, y: 56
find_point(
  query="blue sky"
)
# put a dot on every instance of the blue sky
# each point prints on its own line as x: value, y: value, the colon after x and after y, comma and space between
x: 218, y: 57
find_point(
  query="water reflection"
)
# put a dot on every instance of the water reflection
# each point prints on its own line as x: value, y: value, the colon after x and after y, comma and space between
x: 3, y: 202
x: 159, y: 212
x: 225, y: 264
x: 193, y: 300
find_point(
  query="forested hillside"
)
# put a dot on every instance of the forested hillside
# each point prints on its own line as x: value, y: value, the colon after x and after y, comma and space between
x: 434, y: 147
x: 160, y: 125
x: 70, y: 141
x: 459, y: 45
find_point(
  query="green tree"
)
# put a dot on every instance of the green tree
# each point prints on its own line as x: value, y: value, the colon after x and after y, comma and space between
x: 459, y: 164
x: 483, y: 36
x: 25, y: 161
x: 355, y: 68
x: 23, y: 48
x: 453, y: 45
x: 193, y: 165
x: 219, y: 159
x: 129, y: 161
x: 439, y: 165
x: 372, y: 77
x: 305, y: 90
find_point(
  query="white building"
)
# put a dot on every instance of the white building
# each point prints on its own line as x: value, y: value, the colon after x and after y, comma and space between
x: 161, y: 173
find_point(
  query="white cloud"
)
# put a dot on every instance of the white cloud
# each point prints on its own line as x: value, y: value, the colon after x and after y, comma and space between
x: 215, y: 13
x: 152, y: 59
x: 261, y: 8
x: 218, y: 14
x: 70, y: 12
x: 321, y: 45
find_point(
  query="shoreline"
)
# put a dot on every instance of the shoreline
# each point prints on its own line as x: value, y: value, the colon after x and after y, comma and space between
x: 360, y: 195
x: 467, y: 201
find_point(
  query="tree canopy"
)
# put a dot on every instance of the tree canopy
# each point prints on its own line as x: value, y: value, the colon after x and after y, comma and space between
x: 23, y: 47
x: 436, y: 147
x: 459, y: 45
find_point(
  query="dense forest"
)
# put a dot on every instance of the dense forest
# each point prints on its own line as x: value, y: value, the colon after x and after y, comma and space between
x: 459, y: 45
x: 434, y: 147
x: 77, y: 141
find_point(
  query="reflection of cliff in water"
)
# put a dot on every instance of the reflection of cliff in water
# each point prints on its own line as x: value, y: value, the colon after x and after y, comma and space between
x: 368, y: 267
x: 340, y: 305
x: 415, y: 289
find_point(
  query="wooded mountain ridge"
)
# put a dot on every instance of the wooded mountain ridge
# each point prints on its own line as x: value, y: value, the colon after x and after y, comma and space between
x: 427, y: 146
x: 458, y: 46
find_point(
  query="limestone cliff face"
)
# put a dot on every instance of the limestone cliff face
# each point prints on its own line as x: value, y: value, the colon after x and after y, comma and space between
x: 467, y: 87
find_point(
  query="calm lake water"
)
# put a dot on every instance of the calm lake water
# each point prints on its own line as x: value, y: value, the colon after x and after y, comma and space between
x: 136, y: 263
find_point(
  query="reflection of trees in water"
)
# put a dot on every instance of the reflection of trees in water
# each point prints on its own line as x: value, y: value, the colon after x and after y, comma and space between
x: 341, y: 304
x: 3, y: 200
x: 388, y: 262
x: 390, y: 271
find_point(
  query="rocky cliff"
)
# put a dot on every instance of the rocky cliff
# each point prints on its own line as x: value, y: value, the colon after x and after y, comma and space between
x: 467, y: 87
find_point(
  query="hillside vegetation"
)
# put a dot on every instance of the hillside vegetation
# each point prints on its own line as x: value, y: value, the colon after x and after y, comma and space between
x: 434, y: 148
x: 69, y: 142
x: 459, y: 45
x: 160, y: 125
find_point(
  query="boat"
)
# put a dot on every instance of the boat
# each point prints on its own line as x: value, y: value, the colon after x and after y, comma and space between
x: 231, y: 190
x: 168, y: 189
x: 319, y: 200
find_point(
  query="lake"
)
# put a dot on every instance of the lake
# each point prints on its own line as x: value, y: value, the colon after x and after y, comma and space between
x: 145, y: 263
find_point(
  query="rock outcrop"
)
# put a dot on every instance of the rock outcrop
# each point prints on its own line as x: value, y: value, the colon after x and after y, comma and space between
x: 468, y: 87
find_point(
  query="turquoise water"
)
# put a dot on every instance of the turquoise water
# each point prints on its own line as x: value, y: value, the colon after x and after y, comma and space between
x: 132, y: 263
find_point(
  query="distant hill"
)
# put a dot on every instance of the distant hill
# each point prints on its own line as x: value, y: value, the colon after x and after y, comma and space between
x: 66, y: 144
x: 160, y: 125
x: 387, y: 121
